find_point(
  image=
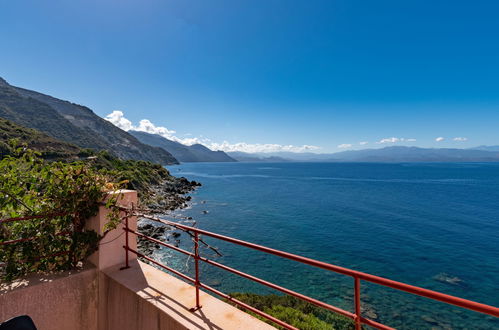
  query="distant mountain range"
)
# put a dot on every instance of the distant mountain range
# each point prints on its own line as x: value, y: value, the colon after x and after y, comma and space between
x: 247, y: 157
x: 194, y: 153
x: 74, y: 124
x: 414, y: 154
x: 487, y: 148
x: 388, y: 154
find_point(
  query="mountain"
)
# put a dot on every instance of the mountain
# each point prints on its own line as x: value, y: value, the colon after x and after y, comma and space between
x: 255, y: 158
x: 74, y: 124
x: 415, y: 154
x: 285, y: 156
x: 194, y: 153
x: 388, y: 154
x: 486, y: 148
x: 209, y: 155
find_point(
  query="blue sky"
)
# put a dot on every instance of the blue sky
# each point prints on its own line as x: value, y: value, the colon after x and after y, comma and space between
x: 319, y: 73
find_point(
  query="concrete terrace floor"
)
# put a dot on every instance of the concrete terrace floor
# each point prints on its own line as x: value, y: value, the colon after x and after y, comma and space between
x: 163, y: 294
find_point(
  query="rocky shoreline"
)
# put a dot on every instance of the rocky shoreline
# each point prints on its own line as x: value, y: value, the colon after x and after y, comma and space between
x: 164, y: 197
x: 170, y: 194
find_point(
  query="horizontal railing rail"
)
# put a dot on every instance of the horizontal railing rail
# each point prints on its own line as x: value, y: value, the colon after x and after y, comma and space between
x: 33, y: 217
x: 356, y: 275
x: 27, y: 239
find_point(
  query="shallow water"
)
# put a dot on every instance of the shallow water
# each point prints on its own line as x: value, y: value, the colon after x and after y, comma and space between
x: 430, y: 225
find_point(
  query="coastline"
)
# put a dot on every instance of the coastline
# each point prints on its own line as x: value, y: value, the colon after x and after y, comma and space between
x: 163, y: 198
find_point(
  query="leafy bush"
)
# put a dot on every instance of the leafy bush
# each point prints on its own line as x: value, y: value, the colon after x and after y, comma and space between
x: 297, y: 318
x: 295, y: 312
x: 30, y: 186
x: 139, y: 174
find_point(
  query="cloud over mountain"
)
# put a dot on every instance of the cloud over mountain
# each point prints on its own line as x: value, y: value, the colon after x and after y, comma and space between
x: 145, y: 125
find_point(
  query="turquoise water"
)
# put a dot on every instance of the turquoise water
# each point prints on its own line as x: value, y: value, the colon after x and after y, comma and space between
x: 430, y: 225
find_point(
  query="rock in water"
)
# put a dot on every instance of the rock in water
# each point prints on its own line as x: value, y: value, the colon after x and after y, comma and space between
x: 448, y: 279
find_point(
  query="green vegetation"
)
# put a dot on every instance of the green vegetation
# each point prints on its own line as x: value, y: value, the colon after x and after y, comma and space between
x: 49, y: 147
x: 142, y: 176
x: 295, y: 312
x: 137, y: 174
x: 30, y: 186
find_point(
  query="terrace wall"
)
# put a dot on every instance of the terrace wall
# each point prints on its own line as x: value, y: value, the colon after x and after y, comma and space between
x: 64, y: 301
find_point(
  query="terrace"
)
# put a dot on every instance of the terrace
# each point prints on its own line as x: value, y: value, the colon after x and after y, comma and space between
x: 114, y: 290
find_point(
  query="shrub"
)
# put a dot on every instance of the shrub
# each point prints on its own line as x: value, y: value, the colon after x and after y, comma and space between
x: 30, y: 186
x: 295, y: 312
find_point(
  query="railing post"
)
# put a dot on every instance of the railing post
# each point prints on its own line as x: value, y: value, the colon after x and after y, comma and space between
x: 196, y: 266
x: 358, y: 323
x: 126, y: 229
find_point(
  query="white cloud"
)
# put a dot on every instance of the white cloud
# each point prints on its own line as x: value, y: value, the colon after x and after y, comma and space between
x: 460, y: 139
x: 439, y: 139
x: 363, y: 143
x: 345, y: 146
x: 118, y: 119
x: 395, y: 140
x: 257, y: 147
x: 389, y: 140
x: 145, y: 125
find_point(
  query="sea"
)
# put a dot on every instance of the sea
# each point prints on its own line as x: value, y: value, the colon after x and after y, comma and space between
x: 433, y: 225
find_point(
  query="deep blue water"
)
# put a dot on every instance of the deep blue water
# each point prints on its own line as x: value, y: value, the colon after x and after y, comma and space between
x: 415, y: 223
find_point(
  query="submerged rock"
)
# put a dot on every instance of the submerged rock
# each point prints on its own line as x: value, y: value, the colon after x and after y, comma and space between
x: 435, y: 323
x: 369, y: 311
x: 448, y: 279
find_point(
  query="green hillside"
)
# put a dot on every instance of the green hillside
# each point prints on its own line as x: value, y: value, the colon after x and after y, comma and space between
x: 35, y: 140
x: 74, y: 124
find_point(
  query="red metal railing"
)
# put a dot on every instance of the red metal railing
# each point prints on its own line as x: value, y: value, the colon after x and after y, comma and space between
x: 357, y: 276
x: 26, y: 239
